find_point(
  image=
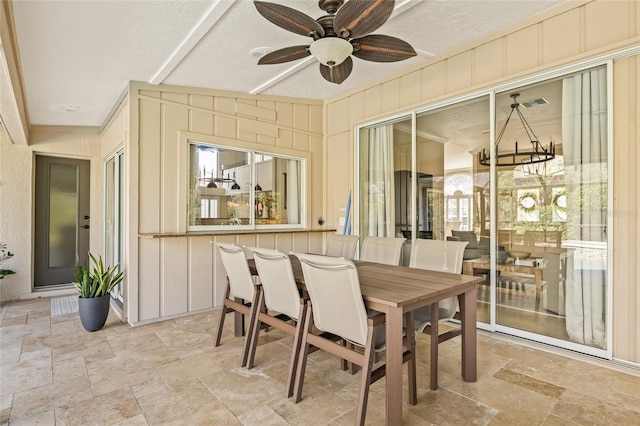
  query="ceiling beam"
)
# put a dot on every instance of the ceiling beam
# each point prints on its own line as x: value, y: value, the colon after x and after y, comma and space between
x: 14, y: 113
x: 213, y: 15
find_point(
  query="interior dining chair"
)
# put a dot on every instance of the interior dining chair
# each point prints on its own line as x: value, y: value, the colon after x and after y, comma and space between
x: 337, y: 307
x: 282, y: 304
x: 382, y: 250
x: 339, y: 245
x: 242, y: 293
x: 444, y: 256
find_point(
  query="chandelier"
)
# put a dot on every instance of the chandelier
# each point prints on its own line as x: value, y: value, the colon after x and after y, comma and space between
x: 537, y: 154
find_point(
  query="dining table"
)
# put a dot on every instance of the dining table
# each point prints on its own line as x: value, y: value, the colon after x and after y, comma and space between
x: 397, y: 290
x: 534, y: 269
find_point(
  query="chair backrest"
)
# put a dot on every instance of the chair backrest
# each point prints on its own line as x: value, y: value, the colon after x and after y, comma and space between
x: 339, y: 245
x: 438, y: 255
x: 336, y: 299
x: 382, y: 250
x: 237, y: 268
x: 278, y: 283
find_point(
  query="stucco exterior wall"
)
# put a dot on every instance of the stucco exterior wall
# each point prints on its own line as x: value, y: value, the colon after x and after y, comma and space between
x: 567, y: 34
x: 17, y: 171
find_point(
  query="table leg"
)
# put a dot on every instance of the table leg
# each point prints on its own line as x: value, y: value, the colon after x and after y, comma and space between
x: 469, y: 335
x: 538, y: 277
x: 433, y: 372
x: 394, y: 366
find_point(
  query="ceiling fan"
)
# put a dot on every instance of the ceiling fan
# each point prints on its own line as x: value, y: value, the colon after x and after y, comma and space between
x: 338, y: 35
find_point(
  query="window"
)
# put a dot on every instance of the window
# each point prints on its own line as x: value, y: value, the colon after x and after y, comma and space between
x: 243, y: 189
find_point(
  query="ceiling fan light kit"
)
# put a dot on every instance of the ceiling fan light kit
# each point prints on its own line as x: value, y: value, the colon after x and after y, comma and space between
x: 331, y: 51
x: 338, y: 35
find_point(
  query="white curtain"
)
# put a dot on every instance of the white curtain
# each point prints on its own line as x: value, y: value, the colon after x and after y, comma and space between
x: 293, y: 191
x: 379, y: 203
x: 584, y: 137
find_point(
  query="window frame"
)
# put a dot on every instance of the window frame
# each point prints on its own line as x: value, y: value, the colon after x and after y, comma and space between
x: 188, y: 139
x: 493, y: 91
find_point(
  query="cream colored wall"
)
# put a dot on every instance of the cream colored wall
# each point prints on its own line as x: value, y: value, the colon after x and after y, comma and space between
x: 168, y: 277
x: 567, y: 34
x: 16, y: 197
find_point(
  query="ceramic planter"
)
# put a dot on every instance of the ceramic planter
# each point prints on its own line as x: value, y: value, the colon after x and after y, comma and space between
x: 94, y: 311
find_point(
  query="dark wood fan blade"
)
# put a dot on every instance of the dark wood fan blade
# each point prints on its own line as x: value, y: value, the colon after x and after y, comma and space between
x: 285, y: 55
x: 382, y: 48
x: 357, y: 18
x: 290, y: 19
x: 339, y: 73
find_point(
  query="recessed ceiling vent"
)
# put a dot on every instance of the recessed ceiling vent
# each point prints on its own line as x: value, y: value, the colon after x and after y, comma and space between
x: 534, y: 102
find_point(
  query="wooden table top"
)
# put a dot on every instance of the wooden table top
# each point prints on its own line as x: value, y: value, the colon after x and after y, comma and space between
x: 401, y: 286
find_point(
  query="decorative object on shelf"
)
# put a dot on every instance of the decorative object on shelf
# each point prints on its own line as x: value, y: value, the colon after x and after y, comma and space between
x: 337, y: 35
x: 4, y: 255
x: 519, y: 254
x: 537, y: 154
x: 94, y: 286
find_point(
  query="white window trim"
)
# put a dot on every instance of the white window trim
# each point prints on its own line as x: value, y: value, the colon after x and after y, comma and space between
x: 188, y: 138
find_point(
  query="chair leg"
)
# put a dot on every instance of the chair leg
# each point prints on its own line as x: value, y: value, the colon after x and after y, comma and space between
x: 253, y: 313
x: 254, y: 329
x: 434, y: 347
x: 411, y: 363
x: 302, y: 359
x: 351, y: 367
x: 295, y: 350
x: 223, y: 314
x: 343, y: 362
x: 367, y: 367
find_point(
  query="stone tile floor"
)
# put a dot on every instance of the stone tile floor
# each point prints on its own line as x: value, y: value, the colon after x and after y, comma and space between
x: 53, y: 372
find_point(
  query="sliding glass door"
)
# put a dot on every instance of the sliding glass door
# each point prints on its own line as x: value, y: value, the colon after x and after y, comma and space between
x: 114, y: 218
x: 552, y: 216
x: 536, y: 226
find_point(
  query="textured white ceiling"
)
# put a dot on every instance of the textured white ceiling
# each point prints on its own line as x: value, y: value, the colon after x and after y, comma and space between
x: 83, y: 53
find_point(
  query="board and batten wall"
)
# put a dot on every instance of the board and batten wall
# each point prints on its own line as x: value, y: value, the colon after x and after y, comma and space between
x: 173, y: 276
x: 569, y: 33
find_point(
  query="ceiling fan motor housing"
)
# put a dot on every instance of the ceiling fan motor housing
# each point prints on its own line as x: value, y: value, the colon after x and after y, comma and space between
x: 330, y: 6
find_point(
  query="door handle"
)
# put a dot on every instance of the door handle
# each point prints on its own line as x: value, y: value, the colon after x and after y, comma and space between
x: 85, y: 226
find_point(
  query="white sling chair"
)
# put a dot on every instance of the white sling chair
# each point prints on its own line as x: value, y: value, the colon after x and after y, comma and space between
x: 444, y: 256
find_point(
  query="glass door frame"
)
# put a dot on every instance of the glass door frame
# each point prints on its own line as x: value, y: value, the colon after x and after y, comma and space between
x: 117, y: 204
x: 492, y: 326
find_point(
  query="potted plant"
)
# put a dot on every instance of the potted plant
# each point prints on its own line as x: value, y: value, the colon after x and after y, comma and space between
x: 94, y: 287
x: 4, y: 255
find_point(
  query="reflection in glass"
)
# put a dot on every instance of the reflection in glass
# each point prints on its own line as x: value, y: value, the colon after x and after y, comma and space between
x: 385, y: 180
x: 549, y: 281
x: 557, y: 214
x: 63, y: 215
x: 229, y: 187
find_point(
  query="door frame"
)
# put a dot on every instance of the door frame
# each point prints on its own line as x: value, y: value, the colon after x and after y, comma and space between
x: 36, y: 155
